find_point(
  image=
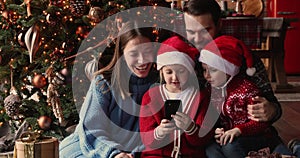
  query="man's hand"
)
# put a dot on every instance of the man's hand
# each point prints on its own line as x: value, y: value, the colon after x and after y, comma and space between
x: 261, y: 110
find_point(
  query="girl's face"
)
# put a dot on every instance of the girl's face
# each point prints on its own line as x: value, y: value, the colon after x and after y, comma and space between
x: 139, y: 56
x: 175, y: 76
x: 215, y: 77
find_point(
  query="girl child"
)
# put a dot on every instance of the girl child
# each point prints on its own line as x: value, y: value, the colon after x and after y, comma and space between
x: 178, y: 137
x: 221, y: 60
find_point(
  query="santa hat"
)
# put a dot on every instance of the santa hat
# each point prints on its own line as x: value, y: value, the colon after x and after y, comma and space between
x: 227, y: 53
x: 175, y: 51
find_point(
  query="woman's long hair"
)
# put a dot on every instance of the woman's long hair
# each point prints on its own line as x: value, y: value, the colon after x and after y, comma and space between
x: 116, y: 72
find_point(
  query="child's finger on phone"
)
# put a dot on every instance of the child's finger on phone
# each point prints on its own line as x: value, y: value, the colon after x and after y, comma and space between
x: 180, y: 114
x: 164, y: 121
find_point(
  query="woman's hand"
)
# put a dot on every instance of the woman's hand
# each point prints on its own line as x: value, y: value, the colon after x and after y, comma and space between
x: 165, y: 127
x: 218, y: 133
x: 229, y: 135
x: 124, y: 155
x: 262, y: 110
x: 182, y: 121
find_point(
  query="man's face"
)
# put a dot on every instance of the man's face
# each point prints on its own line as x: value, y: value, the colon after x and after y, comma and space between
x: 200, y: 29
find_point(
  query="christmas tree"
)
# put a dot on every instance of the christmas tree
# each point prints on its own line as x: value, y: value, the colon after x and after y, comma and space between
x: 39, y: 40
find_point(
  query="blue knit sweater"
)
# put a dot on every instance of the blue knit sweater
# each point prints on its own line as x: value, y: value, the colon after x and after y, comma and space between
x: 108, y: 124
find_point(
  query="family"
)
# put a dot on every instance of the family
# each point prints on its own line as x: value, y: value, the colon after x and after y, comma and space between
x: 123, y: 114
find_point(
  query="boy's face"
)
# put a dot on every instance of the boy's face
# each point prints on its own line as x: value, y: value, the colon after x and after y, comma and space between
x: 200, y: 29
x: 215, y: 77
x: 175, y: 76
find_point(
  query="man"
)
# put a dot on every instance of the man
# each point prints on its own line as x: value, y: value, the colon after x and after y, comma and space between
x: 202, y: 24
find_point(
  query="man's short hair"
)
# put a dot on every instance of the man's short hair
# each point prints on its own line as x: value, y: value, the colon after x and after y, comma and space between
x: 201, y: 7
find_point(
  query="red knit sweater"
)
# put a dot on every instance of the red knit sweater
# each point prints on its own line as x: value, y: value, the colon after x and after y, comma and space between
x: 234, y: 110
x: 152, y: 113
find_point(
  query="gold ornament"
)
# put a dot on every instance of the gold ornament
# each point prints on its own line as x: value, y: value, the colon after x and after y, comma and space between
x: 96, y: 14
x: 39, y: 81
x: 44, y: 122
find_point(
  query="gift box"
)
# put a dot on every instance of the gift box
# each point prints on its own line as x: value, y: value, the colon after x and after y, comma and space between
x: 265, y: 153
x: 44, y: 148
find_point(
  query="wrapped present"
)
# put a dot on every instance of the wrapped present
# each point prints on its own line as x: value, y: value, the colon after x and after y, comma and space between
x: 30, y: 147
x: 265, y: 153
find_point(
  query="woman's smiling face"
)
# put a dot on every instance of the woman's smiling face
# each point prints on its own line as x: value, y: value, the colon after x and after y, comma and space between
x: 139, y: 56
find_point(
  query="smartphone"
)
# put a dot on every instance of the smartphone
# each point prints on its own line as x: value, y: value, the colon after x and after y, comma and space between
x: 171, y: 107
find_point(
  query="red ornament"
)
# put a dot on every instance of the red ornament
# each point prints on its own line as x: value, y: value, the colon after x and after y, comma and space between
x: 44, y: 122
x: 39, y: 81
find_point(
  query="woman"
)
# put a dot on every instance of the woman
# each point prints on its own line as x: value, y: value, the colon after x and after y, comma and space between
x: 109, y: 122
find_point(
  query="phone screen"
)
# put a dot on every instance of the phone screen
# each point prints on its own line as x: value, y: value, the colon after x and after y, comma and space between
x: 171, y: 107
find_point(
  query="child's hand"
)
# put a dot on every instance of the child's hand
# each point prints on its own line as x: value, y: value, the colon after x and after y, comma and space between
x: 218, y: 133
x: 124, y: 155
x: 182, y: 121
x: 165, y: 127
x: 229, y: 135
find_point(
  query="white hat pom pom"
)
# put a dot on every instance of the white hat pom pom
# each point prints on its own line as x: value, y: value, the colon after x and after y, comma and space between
x: 251, y: 71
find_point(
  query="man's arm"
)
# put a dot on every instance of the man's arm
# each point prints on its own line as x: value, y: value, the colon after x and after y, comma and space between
x: 266, y: 107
